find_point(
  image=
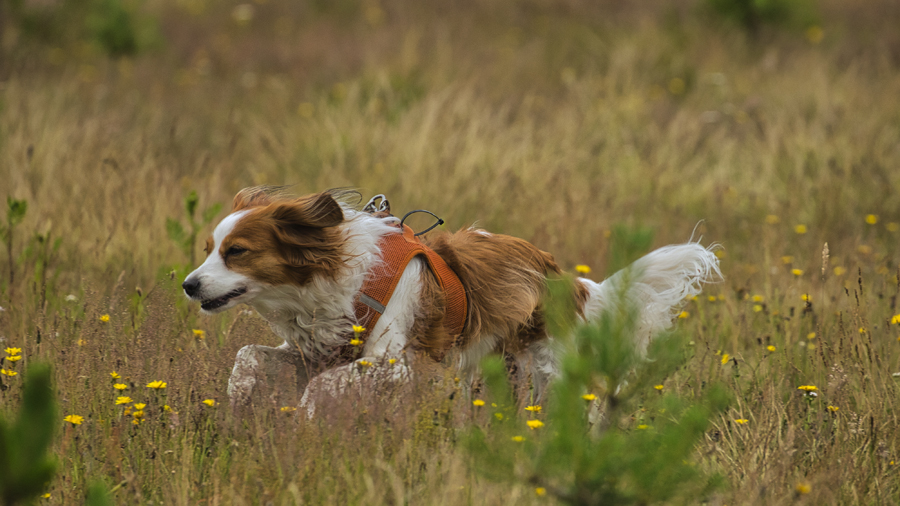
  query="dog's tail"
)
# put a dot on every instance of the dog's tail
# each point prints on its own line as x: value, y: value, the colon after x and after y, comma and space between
x: 657, y: 285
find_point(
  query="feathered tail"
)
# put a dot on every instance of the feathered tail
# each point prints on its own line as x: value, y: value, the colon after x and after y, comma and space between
x: 658, y: 285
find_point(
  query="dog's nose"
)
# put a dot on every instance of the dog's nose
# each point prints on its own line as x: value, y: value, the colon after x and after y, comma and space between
x: 191, y: 286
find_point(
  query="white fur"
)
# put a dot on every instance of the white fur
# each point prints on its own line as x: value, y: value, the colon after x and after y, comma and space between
x: 470, y: 358
x: 217, y: 280
x: 658, y: 284
x: 390, y: 334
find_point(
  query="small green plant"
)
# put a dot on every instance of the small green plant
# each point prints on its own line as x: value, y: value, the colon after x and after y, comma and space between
x: 15, y: 213
x: 25, y: 467
x: 186, y: 239
x: 612, y: 434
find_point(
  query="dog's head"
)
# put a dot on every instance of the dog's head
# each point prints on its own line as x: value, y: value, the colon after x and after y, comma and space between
x: 266, y: 241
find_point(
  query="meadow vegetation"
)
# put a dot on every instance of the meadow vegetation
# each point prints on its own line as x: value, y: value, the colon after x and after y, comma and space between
x: 551, y: 120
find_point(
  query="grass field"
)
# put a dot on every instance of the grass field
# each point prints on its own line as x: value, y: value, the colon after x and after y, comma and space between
x: 551, y: 120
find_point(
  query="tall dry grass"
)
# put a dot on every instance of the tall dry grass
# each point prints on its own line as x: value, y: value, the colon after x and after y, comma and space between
x: 552, y: 121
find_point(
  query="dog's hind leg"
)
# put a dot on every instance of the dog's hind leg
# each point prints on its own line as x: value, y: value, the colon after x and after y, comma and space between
x: 263, y: 370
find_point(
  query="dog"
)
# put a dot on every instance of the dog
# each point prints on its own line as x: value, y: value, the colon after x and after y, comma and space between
x: 301, y: 263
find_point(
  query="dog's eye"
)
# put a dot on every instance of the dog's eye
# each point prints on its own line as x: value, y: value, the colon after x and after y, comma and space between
x: 234, y: 250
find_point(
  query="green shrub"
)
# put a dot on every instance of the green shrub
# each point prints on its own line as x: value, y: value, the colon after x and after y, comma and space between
x: 752, y: 15
x: 25, y: 468
x: 116, y: 27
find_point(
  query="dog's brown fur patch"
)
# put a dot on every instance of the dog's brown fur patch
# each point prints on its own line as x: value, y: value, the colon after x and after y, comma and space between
x: 286, y: 241
x: 505, y: 280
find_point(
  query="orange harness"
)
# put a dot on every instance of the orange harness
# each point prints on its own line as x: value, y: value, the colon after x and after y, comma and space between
x: 397, y: 250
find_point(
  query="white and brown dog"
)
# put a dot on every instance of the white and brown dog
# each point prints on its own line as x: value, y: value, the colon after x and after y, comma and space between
x: 302, y: 262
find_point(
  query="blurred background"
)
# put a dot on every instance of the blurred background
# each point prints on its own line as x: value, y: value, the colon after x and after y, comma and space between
x: 127, y: 126
x: 552, y: 120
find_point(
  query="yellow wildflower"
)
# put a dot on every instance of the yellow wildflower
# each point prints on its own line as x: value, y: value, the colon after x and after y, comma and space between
x: 684, y: 314
x: 535, y: 409
x: 199, y: 334
x: 833, y: 409
x: 757, y: 308
x: 758, y: 298
x: 157, y: 385
x: 643, y: 427
x: 499, y: 416
x: 803, y: 488
x: 797, y: 272
x: 114, y: 375
x: 138, y: 414
x: 862, y: 330
x: 392, y: 361
x: 895, y: 319
x: 120, y: 386
x: 74, y: 419
x: 166, y: 407
x: 14, y: 358
x: 659, y: 387
x: 478, y: 402
x: 136, y: 421
x: 588, y: 397
x: 358, y: 329
x: 806, y: 297
x: 13, y: 351
x: 140, y: 405
x: 811, y: 335
x: 288, y: 409
x: 8, y: 373
x: 800, y: 229
x: 364, y: 363
x: 123, y: 400
x: 725, y: 358
x: 540, y: 491
x: 741, y: 421
x: 839, y: 271
x: 770, y: 348
x: 582, y: 269
x: 81, y: 342
x: 104, y: 318
x: 46, y: 496
x: 209, y: 402
x: 807, y: 388
x: 518, y: 439
x: 534, y: 424
x: 355, y: 342
x: 815, y: 34
x: 787, y: 259
x: 871, y: 219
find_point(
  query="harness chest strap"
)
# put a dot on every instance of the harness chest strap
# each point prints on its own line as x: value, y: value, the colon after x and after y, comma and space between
x: 397, y: 250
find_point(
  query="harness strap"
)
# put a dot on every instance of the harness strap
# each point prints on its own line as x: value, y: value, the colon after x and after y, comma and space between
x: 397, y: 250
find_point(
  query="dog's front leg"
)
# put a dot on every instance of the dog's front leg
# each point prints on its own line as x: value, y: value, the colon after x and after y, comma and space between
x: 259, y: 370
x: 365, y: 378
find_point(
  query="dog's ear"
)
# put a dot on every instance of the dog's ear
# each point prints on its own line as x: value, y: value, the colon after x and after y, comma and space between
x: 318, y: 210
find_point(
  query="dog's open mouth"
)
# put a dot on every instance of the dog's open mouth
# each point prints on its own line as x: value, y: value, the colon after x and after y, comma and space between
x: 209, y: 305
